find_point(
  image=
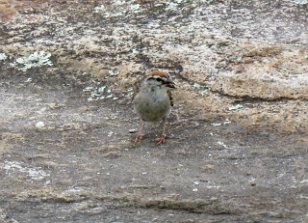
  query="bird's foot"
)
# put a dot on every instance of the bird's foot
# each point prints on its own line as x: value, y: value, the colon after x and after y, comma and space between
x: 139, y: 137
x: 161, y: 139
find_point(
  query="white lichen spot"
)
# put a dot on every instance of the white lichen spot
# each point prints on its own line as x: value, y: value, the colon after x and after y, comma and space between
x: 305, y: 182
x: 135, y: 8
x: 72, y: 191
x: 15, y: 167
x: 114, y: 71
x: 130, y: 94
x: 116, y: 43
x: 222, y: 144
x: 100, y: 9
x: 29, y: 80
x: 196, y: 182
x: 235, y: 107
x: 203, y: 90
x: 216, y: 124
x: 88, y: 89
x: 195, y: 189
x: 238, y: 59
x: 118, y: 2
x: 213, y: 187
x: 37, y: 174
x: 172, y: 6
x: 118, y: 12
x: 95, y: 94
x: 135, y: 52
x: 99, y: 92
x: 109, y: 96
x: 118, y: 8
x: 101, y: 89
x: 196, y: 86
x: 300, y: 2
x: 3, y: 56
x: 227, y: 122
x: 36, y: 59
x: 205, y: 1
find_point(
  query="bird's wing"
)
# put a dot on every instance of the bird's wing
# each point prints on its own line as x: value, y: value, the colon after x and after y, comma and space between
x: 170, y: 97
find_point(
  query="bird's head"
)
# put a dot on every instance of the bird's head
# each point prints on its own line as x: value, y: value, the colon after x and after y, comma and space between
x: 160, y: 78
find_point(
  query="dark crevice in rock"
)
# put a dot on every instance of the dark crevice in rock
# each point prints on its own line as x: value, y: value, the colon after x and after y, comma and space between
x: 248, y: 98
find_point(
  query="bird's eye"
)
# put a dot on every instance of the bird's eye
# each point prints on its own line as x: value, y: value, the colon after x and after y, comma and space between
x: 160, y: 79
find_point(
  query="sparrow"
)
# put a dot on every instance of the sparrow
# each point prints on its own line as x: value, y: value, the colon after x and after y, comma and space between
x: 153, y: 102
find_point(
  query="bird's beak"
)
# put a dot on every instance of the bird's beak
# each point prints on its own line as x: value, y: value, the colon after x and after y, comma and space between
x: 169, y: 84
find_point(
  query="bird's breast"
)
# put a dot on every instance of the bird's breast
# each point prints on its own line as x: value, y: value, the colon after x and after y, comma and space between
x: 152, y: 106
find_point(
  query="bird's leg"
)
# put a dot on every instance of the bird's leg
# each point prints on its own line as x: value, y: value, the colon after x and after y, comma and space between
x: 163, y: 136
x: 140, y: 133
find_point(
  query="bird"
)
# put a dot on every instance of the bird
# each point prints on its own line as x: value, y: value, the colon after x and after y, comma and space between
x: 153, y: 102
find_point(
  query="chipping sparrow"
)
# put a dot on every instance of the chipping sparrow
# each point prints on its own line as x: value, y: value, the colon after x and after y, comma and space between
x: 153, y: 102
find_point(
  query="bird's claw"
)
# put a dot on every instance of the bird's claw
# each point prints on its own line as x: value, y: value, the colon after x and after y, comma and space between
x: 139, y: 137
x: 161, y: 139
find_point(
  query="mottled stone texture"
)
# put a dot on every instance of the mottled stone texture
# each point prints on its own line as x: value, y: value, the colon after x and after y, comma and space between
x: 237, y: 150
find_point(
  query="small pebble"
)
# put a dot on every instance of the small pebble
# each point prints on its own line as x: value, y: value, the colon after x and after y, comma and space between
x: 196, y: 183
x: 132, y: 130
x: 40, y: 125
x: 252, y: 182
